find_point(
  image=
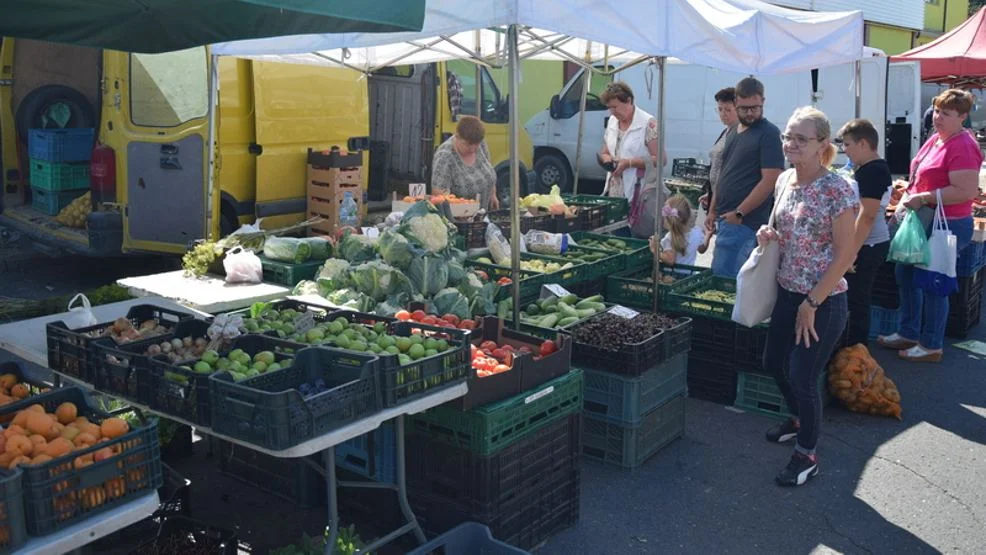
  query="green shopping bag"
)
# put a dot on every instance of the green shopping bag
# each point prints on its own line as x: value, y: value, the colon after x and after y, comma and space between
x: 910, y: 243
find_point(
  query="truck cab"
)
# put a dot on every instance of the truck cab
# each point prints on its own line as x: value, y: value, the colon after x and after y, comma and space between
x: 150, y: 113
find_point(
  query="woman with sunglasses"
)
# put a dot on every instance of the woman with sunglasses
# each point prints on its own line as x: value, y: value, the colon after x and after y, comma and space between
x: 947, y: 164
x: 814, y: 222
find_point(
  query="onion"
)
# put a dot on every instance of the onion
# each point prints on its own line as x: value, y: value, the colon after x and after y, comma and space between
x: 177, y: 343
x: 187, y: 341
x: 165, y: 347
x: 154, y: 350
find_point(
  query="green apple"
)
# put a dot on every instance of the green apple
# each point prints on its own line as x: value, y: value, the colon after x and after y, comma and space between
x: 267, y: 357
x: 259, y: 367
x: 314, y: 335
x: 203, y: 367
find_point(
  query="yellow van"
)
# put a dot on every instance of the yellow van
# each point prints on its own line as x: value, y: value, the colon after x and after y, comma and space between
x: 151, y: 113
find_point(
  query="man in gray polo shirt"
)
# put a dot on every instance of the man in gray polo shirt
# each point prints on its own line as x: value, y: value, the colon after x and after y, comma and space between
x: 752, y: 159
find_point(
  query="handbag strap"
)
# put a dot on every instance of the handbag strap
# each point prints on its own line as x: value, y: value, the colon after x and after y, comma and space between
x: 777, y: 201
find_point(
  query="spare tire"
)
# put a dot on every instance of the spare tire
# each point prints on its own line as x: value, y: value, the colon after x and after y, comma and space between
x: 36, y: 103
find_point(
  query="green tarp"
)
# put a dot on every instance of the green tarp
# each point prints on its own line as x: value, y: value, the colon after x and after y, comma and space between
x: 153, y: 26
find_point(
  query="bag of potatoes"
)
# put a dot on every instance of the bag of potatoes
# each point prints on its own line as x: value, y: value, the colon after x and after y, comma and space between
x: 859, y: 382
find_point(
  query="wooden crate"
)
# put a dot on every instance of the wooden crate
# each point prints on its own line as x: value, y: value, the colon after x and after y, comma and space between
x: 325, y: 200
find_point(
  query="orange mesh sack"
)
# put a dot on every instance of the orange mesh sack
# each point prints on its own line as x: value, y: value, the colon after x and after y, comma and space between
x: 859, y: 382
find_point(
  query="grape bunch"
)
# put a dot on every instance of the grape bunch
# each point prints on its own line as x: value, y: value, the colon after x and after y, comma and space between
x: 196, y: 261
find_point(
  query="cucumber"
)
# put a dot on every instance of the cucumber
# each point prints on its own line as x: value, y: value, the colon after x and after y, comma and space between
x: 548, y: 303
x: 566, y: 311
x: 567, y: 321
x: 589, y: 300
x: 586, y: 312
x: 597, y: 307
x: 568, y: 299
x: 548, y: 321
x: 533, y: 309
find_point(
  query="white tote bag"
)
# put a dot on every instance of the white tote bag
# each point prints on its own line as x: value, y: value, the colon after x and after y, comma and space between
x: 938, y: 277
x: 756, y: 283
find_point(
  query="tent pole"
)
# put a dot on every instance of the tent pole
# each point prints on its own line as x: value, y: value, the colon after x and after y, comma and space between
x: 658, y: 224
x: 859, y: 88
x: 578, y: 143
x: 514, y: 68
x: 210, y: 189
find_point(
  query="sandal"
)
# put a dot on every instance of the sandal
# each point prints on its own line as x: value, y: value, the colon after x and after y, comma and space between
x: 918, y: 353
x: 895, y: 341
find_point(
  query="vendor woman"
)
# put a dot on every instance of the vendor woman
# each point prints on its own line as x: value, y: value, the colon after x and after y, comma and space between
x: 462, y: 165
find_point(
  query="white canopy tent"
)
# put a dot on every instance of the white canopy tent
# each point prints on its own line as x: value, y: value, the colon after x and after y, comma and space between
x: 740, y: 35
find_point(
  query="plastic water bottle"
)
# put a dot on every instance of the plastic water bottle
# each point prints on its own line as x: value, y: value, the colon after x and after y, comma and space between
x: 348, y: 215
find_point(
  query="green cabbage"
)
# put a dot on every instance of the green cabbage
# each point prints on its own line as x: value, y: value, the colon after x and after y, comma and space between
x: 395, y: 249
x: 357, y: 248
x: 376, y: 279
x: 321, y: 249
x: 287, y: 249
x: 450, y: 301
x: 428, y: 274
x: 392, y: 305
x: 456, y: 273
x: 334, y: 274
x: 352, y: 300
x: 484, y: 302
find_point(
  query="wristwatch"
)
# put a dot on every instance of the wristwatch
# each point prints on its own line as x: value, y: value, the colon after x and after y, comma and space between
x: 739, y: 215
x: 811, y: 302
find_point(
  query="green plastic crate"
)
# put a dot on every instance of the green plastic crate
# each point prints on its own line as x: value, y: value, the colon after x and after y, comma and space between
x: 53, y: 202
x: 759, y: 393
x: 531, y: 282
x: 637, y: 256
x: 681, y: 297
x: 490, y: 428
x: 613, y: 262
x: 617, y: 209
x: 287, y: 273
x: 635, y: 288
x: 59, y: 176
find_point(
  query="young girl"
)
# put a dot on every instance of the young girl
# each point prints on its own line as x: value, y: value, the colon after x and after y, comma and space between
x: 683, y: 241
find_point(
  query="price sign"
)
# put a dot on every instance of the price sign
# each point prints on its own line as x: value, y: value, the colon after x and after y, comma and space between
x: 557, y: 290
x: 416, y: 189
x: 624, y: 312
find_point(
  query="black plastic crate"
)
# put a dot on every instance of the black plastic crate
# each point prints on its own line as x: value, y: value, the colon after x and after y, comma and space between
x: 34, y: 387
x: 403, y: 384
x: 58, y: 495
x: 372, y: 455
x: 749, y: 349
x: 713, y: 340
x: 526, y: 373
x: 525, y: 521
x: 593, y: 215
x: 270, y: 412
x: 176, y: 529
x: 121, y: 370
x: 174, y: 493
x: 484, y: 483
x: 631, y: 445
x: 293, y: 479
x: 885, y: 294
x: 962, y: 319
x: 564, y: 224
x: 13, y: 527
x: 634, y: 360
x: 473, y: 233
x: 185, y: 393
x: 527, y: 222
x: 711, y: 380
x: 69, y: 351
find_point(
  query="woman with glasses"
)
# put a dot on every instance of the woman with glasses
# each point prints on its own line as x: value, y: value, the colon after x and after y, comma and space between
x: 814, y: 221
x: 947, y: 164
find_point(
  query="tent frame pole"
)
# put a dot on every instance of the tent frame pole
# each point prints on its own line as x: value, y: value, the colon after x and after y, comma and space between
x: 513, y: 64
x: 658, y: 223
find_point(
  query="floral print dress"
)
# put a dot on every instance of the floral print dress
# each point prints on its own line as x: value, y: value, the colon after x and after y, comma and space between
x: 803, y: 219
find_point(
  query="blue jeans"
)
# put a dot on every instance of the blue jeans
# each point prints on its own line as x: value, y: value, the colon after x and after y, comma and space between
x: 734, y: 243
x: 796, y: 368
x: 923, y: 316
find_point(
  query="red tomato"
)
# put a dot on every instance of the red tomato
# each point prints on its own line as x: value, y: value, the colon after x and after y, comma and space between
x: 467, y: 324
x: 482, y: 275
x: 499, y: 354
x: 525, y: 349
x: 403, y: 315
x: 500, y: 368
x: 507, y: 347
x: 504, y: 281
x: 548, y: 347
x: 429, y: 320
x: 451, y: 318
x: 418, y: 315
x: 488, y: 345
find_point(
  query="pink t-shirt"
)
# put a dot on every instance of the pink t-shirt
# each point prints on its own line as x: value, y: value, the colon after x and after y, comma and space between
x: 933, y: 162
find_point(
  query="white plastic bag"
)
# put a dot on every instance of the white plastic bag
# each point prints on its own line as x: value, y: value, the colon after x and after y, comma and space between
x: 80, y: 316
x: 756, y: 283
x: 243, y: 266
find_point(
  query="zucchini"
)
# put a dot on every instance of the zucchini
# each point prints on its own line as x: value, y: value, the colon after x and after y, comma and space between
x: 548, y: 321
x: 586, y: 312
x: 589, y: 300
x: 568, y: 299
x: 596, y: 307
x: 567, y: 321
x: 548, y: 303
x: 533, y: 309
x: 566, y: 311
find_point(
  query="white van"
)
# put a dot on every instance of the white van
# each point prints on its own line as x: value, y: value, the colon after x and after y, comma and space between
x: 890, y: 94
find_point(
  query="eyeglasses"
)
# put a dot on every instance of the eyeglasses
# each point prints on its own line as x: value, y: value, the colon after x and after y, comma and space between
x: 840, y: 144
x: 749, y: 109
x: 799, y: 140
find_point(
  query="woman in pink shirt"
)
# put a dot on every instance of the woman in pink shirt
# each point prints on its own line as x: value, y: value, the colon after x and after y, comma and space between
x: 948, y: 162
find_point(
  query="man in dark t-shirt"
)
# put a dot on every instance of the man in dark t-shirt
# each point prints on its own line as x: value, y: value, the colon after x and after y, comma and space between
x: 752, y: 159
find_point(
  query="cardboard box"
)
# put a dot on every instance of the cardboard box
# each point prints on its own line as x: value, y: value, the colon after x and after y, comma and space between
x: 325, y: 200
x: 459, y: 210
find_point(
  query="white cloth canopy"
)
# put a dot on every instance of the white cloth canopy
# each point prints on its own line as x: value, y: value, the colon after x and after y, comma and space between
x: 747, y: 36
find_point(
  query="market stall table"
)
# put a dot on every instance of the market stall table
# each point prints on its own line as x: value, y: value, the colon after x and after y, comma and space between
x: 36, y: 352
x: 207, y: 294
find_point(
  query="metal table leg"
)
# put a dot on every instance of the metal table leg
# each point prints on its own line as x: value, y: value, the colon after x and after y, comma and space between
x: 402, y: 482
x: 329, y: 456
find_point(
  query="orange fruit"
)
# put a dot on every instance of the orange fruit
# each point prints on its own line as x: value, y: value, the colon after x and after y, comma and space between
x: 66, y: 413
x: 8, y: 381
x: 91, y: 429
x: 20, y: 391
x: 55, y: 431
x: 20, y: 419
x: 6, y: 458
x: 85, y: 438
x: 19, y: 460
x: 39, y: 423
x: 114, y: 427
x: 19, y: 445
x: 41, y: 459
x: 36, y: 408
x: 40, y: 445
x: 14, y: 430
x: 81, y: 420
x: 59, y: 447
x: 70, y: 432
x: 3, y: 443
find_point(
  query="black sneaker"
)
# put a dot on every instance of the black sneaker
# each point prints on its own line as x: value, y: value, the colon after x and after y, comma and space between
x: 797, y: 472
x: 783, y: 432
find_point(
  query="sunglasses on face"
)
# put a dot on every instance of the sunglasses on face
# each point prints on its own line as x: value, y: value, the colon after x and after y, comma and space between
x: 749, y: 109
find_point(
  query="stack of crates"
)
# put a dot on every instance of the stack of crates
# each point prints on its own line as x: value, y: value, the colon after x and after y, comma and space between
x: 330, y: 175
x: 512, y: 465
x: 629, y: 418
x: 59, y: 169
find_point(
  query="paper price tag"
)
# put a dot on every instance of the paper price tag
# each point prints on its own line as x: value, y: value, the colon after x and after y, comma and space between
x: 416, y: 189
x: 557, y: 290
x: 624, y: 312
x: 544, y: 392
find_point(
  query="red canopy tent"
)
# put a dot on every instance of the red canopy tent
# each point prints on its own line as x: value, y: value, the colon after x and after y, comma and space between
x: 957, y: 58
